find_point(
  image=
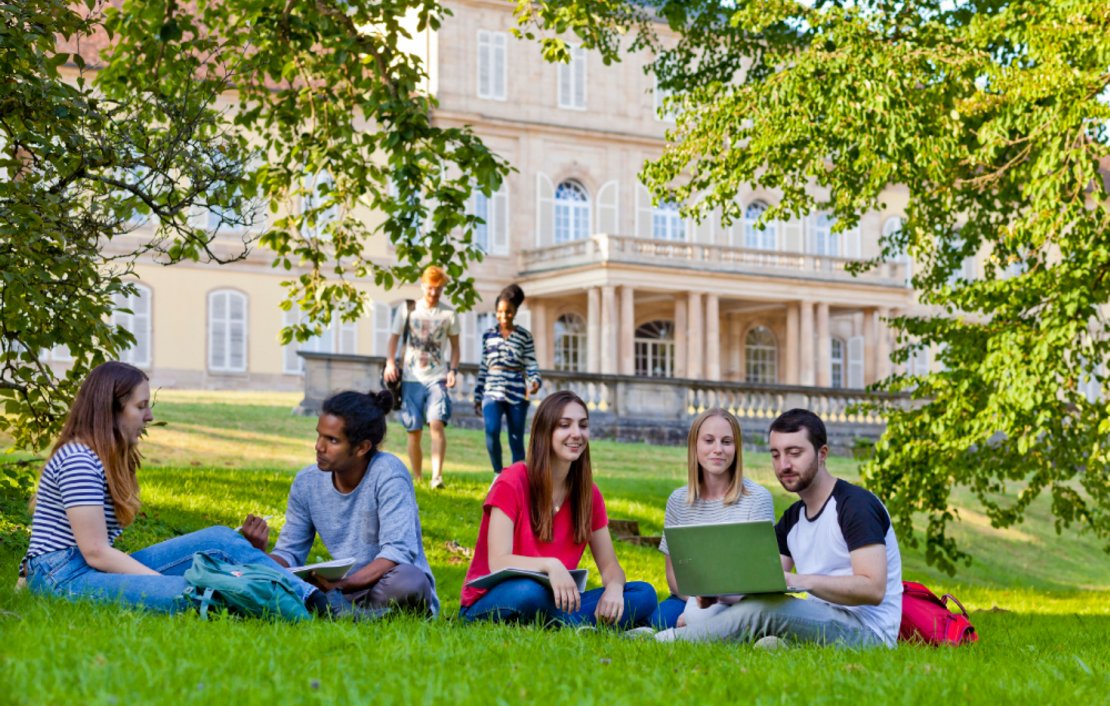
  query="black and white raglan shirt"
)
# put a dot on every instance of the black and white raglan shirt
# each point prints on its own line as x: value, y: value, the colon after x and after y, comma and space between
x: 851, y: 518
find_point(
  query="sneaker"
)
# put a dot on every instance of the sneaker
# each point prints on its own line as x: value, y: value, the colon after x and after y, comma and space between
x: 436, y: 483
x: 769, y: 643
x: 667, y: 635
x: 585, y: 629
x: 641, y: 633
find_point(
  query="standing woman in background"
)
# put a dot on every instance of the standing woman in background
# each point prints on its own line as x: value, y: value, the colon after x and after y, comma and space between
x: 88, y: 493
x: 507, y: 375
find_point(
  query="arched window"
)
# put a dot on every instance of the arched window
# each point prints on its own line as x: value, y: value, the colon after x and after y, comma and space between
x: 227, y: 331
x: 137, y: 322
x: 572, y: 212
x: 761, y: 356
x: 825, y: 241
x: 836, y: 362
x: 766, y: 239
x: 667, y: 224
x: 655, y: 349
x: 570, y: 343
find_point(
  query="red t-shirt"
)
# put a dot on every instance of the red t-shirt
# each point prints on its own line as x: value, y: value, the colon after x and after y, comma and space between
x: 510, y: 494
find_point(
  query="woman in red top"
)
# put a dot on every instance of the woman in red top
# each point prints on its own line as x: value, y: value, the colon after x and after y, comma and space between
x: 539, y: 516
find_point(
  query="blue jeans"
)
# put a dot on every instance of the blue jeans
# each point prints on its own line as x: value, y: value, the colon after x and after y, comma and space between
x: 792, y: 619
x: 526, y: 601
x: 64, y: 572
x: 667, y: 612
x: 515, y: 415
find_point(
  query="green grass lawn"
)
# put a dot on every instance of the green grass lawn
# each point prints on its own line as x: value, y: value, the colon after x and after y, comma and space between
x: 1040, y: 601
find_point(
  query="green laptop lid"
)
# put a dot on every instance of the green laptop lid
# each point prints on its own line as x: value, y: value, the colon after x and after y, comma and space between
x: 726, y: 559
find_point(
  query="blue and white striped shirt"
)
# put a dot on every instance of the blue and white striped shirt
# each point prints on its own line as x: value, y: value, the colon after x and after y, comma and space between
x: 508, y: 366
x: 73, y: 477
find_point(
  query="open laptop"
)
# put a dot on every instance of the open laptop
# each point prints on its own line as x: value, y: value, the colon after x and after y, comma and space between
x: 726, y: 559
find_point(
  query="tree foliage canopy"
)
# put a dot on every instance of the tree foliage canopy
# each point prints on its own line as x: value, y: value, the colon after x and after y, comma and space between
x: 229, y: 109
x: 994, y: 115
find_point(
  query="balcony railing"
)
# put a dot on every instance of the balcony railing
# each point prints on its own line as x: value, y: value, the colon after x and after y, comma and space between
x: 622, y: 402
x: 701, y: 257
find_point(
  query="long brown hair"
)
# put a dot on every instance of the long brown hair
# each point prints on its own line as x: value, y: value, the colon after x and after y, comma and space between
x: 93, y: 421
x: 735, y: 470
x: 580, y: 479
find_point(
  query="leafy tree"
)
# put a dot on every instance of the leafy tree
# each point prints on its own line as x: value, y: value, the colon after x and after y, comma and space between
x: 328, y: 110
x: 994, y: 115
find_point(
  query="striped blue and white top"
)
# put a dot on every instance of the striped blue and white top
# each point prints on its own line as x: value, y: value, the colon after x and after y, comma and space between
x: 508, y: 366
x: 73, y: 477
x: 756, y: 504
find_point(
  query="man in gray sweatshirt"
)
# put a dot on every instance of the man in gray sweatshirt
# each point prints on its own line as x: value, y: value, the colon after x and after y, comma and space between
x: 361, y: 502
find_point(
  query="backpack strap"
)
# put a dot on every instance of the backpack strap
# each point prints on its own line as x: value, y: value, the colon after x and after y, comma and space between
x: 205, y: 601
x: 949, y: 597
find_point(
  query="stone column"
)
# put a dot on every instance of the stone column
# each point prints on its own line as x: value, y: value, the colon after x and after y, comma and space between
x: 680, y: 334
x: 733, y: 344
x: 627, y: 332
x: 713, y: 337
x: 806, y: 348
x: 695, y: 351
x: 824, y: 352
x: 882, y: 347
x: 793, y: 348
x: 870, y: 346
x: 610, y: 352
x: 542, y: 333
x: 593, y: 330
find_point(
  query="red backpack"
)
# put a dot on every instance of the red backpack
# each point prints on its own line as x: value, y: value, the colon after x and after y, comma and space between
x: 927, y: 619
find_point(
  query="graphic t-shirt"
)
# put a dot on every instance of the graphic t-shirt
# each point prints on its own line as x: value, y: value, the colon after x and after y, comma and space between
x: 429, y: 329
x: 510, y: 495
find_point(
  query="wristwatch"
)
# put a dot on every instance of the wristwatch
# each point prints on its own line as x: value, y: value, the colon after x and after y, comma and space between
x: 455, y: 370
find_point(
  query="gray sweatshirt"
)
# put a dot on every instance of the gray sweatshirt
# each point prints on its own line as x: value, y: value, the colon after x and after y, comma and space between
x: 379, y: 518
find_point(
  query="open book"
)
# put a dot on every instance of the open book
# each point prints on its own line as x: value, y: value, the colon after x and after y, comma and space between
x: 491, y: 580
x: 331, y: 570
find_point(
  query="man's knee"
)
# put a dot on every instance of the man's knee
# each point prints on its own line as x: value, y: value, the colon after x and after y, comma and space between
x: 405, y: 585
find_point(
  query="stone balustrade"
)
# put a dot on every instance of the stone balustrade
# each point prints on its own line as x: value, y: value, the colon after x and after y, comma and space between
x: 703, y: 257
x: 656, y: 410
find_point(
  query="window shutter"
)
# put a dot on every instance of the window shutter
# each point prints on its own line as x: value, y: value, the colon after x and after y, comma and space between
x: 855, y: 362
x: 499, y: 228
x: 853, y: 248
x: 382, y: 321
x: 578, y: 63
x: 523, y: 318
x: 499, y: 67
x: 566, y: 84
x: 484, y: 64
x: 348, y: 337
x: 793, y: 235
x: 608, y: 208
x: 545, y: 210
x: 706, y: 231
x: 140, y: 327
x: 217, y: 330
x: 466, y: 340
x: 237, y: 332
x: 292, y: 363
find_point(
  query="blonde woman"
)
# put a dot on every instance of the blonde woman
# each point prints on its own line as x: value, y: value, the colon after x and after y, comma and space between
x: 716, y: 492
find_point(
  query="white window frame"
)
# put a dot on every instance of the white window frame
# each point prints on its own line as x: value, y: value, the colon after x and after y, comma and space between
x: 570, y: 343
x: 491, y: 75
x: 761, y: 358
x: 491, y: 237
x: 572, y: 81
x: 755, y: 239
x: 826, y: 243
x: 838, y: 359
x: 215, y: 332
x: 654, y: 356
x: 572, y: 215
x: 667, y: 224
x: 312, y: 184
x: 138, y: 322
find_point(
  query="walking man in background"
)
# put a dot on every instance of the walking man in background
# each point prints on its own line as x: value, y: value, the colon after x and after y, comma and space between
x: 427, y: 375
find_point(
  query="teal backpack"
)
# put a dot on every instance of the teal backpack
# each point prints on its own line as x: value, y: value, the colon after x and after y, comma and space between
x: 253, y: 590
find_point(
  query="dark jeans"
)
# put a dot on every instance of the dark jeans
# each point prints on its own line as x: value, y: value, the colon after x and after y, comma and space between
x: 526, y: 601
x: 667, y: 612
x: 515, y: 415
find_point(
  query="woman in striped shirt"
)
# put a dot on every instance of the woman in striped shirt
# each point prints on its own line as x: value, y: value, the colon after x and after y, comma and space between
x: 716, y: 492
x: 88, y: 493
x: 507, y: 374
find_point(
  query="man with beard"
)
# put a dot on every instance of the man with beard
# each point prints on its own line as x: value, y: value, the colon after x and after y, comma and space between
x: 839, y: 539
